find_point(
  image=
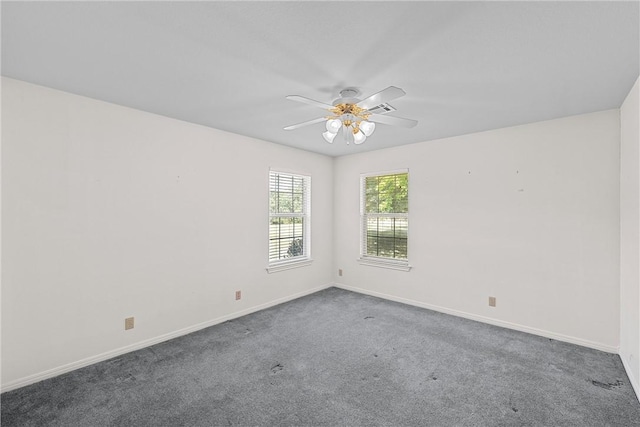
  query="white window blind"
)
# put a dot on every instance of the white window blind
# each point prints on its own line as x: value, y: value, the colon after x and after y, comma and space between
x: 384, y: 208
x: 289, y: 218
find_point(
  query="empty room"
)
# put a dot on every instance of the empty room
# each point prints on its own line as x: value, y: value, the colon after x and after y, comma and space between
x: 311, y: 213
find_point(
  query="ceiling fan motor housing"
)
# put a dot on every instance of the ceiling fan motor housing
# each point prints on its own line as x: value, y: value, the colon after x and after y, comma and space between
x: 347, y: 96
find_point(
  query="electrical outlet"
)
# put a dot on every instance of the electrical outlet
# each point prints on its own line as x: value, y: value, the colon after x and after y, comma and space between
x: 238, y: 295
x: 339, y: 272
x: 492, y: 301
x: 128, y: 323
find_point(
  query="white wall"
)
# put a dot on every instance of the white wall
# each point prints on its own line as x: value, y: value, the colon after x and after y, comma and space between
x: 528, y: 214
x: 110, y: 212
x: 630, y: 236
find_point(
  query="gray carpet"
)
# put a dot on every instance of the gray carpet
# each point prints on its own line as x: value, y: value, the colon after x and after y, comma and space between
x: 342, y: 359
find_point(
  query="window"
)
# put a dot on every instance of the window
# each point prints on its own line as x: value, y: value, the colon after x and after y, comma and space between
x: 384, y: 209
x: 289, y: 220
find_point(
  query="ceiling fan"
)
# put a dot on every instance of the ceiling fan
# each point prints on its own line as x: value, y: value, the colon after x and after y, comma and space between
x: 354, y: 117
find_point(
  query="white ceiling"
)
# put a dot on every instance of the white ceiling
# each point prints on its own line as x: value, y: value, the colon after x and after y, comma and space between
x: 466, y: 66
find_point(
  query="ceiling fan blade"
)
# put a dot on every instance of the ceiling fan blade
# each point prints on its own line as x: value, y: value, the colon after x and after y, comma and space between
x: 385, y: 95
x: 309, y: 101
x: 309, y: 122
x: 394, y: 121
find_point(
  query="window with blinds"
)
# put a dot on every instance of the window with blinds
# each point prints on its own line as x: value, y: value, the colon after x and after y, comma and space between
x: 385, y: 216
x: 289, y: 217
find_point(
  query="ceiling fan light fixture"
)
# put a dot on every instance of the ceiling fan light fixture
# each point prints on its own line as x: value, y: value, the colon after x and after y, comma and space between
x: 356, y: 118
x: 329, y: 136
x: 367, y: 127
x: 333, y: 125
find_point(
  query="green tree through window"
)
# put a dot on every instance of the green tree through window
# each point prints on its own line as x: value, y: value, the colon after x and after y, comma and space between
x: 288, y: 216
x: 385, y: 215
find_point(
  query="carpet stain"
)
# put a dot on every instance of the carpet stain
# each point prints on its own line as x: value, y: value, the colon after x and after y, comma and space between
x: 607, y: 386
x: 375, y: 355
x: 514, y: 409
x: 369, y: 317
x: 62, y: 405
x: 126, y: 378
x: 432, y: 376
x: 276, y: 368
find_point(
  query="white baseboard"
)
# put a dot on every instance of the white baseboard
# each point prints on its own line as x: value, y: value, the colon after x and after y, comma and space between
x: 483, y: 319
x: 50, y: 373
x: 634, y: 381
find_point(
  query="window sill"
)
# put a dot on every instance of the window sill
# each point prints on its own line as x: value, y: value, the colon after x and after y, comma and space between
x: 385, y: 263
x: 288, y: 265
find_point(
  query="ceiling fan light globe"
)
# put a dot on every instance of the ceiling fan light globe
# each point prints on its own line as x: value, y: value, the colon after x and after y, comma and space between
x: 333, y: 125
x: 367, y: 127
x: 329, y: 136
x: 359, y: 137
x: 347, y: 134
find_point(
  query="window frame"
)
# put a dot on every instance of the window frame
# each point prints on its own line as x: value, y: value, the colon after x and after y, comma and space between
x: 281, y: 264
x: 401, y: 264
